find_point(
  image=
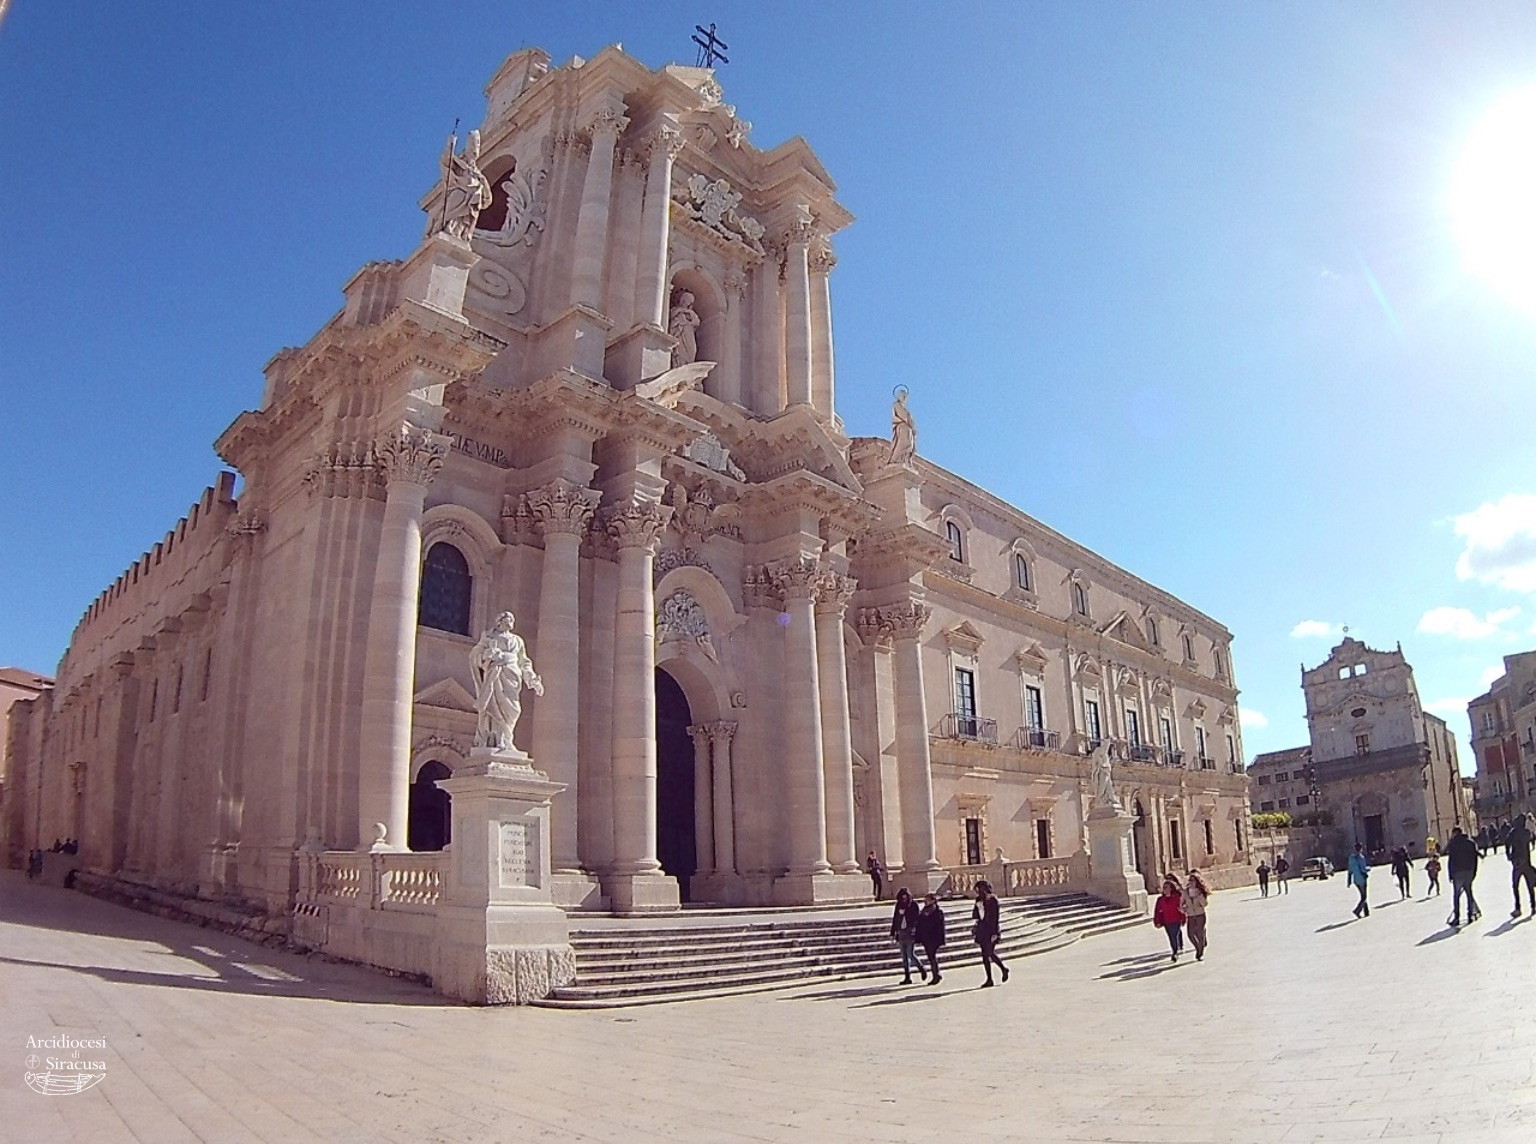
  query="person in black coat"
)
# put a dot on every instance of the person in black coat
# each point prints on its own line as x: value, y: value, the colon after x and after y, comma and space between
x: 1462, y: 866
x: 905, y: 924
x: 985, y: 931
x: 931, y: 934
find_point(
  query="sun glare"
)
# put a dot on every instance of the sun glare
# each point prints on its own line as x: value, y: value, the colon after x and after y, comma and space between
x: 1495, y: 198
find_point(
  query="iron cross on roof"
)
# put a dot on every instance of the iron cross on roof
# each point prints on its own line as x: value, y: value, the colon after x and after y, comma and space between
x: 711, y: 48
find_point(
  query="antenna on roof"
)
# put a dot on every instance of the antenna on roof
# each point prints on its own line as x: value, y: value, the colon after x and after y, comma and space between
x: 711, y: 48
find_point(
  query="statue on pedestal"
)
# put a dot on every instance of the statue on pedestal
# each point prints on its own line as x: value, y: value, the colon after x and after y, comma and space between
x: 905, y: 437
x: 683, y: 321
x: 466, y: 191
x: 500, y: 668
x: 1100, y: 773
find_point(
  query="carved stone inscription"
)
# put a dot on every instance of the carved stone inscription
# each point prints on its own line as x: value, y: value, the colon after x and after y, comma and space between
x: 517, y: 855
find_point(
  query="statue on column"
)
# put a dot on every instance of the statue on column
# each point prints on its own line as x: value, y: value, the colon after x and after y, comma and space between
x: 1100, y: 774
x: 466, y: 191
x: 683, y: 321
x: 905, y: 437
x: 500, y: 668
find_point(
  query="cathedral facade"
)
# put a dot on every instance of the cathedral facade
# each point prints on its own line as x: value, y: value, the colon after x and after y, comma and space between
x: 600, y: 395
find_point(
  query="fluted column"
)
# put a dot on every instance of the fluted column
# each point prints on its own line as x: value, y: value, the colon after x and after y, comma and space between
x: 593, y: 215
x: 822, y: 263
x: 833, y: 594
x: 704, y: 843
x: 913, y: 777
x: 651, y: 292
x: 721, y: 735
x: 806, y: 798
x: 561, y: 511
x: 798, y: 315
x: 410, y: 458
x: 768, y: 341
x: 730, y: 386
x: 635, y: 529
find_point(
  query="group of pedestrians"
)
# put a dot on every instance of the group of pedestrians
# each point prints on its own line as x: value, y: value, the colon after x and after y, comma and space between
x: 1264, y: 871
x: 1183, y: 908
x: 924, y: 928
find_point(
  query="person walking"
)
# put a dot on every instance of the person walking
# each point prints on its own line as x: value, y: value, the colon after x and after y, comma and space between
x: 1281, y: 869
x: 876, y: 871
x: 1433, y: 875
x: 1263, y: 872
x: 1356, y: 874
x: 1169, y: 915
x: 905, y: 924
x: 1462, y: 865
x: 1193, y: 903
x: 1483, y: 838
x: 1400, y: 861
x: 931, y: 934
x: 985, y: 931
x: 1519, y: 852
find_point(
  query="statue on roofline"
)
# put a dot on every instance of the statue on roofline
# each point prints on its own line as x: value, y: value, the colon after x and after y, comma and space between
x: 905, y: 437
x: 466, y: 190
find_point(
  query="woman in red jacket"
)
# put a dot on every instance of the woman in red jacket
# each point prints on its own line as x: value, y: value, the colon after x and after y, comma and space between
x: 1167, y: 913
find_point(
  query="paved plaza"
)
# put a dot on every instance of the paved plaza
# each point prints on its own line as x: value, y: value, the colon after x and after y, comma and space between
x: 1302, y: 1024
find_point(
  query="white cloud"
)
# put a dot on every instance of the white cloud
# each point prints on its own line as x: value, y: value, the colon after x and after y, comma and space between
x: 1462, y: 624
x: 1252, y: 720
x: 1316, y: 629
x: 1490, y: 674
x: 1501, y: 543
x: 1447, y: 708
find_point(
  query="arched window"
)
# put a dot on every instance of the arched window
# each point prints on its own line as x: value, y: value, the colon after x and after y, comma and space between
x: 428, y: 809
x: 445, y: 599
x: 953, y: 534
x: 1153, y: 631
x: 1022, y: 572
x: 1080, y: 599
x: 1188, y: 647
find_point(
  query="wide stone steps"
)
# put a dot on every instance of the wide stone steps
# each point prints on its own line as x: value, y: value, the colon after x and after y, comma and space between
x: 690, y: 957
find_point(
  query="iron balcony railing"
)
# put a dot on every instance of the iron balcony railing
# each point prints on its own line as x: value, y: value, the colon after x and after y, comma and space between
x: 955, y: 726
x: 1208, y: 763
x: 1174, y: 758
x: 1142, y: 753
x: 1036, y: 739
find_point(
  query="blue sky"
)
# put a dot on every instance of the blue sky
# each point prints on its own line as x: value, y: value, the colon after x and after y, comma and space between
x: 1180, y: 280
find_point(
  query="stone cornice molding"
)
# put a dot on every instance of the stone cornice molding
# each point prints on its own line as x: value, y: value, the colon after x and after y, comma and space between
x: 562, y: 507
x: 637, y: 525
x: 410, y: 455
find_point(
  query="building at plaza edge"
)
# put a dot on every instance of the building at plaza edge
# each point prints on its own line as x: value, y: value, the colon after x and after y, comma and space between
x: 600, y: 395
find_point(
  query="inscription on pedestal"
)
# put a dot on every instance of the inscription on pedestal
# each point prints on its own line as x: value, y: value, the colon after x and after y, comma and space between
x: 518, y: 856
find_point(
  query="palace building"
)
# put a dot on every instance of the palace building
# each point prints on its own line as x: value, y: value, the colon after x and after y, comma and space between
x: 600, y: 394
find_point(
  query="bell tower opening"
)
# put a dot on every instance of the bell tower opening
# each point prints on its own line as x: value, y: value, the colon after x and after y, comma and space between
x: 675, y: 783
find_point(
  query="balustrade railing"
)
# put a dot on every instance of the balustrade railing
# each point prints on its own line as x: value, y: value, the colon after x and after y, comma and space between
x: 411, y: 882
x: 1036, y: 739
x: 1141, y: 753
x: 955, y: 726
x: 1014, y: 879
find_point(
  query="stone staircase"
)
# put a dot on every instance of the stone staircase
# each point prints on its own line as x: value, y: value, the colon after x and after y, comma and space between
x: 719, y: 953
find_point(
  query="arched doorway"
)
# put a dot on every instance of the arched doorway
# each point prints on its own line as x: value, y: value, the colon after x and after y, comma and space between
x: 1142, y: 852
x: 675, y: 783
x: 427, y: 809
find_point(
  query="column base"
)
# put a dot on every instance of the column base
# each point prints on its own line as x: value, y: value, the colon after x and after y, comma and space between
x: 818, y: 889
x: 717, y: 889
x: 642, y: 893
x: 577, y: 890
x: 916, y: 882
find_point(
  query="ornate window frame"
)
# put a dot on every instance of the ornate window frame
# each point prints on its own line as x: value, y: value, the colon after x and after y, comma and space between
x: 1017, y: 554
x: 478, y: 543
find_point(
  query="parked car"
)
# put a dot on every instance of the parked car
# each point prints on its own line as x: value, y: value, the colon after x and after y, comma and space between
x: 1316, y: 868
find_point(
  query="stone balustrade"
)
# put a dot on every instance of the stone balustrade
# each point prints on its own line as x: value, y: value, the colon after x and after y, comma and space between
x: 1064, y: 875
x: 410, y: 882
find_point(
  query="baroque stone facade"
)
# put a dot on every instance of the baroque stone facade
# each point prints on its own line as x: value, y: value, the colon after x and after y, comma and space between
x: 767, y: 648
x: 1501, y: 725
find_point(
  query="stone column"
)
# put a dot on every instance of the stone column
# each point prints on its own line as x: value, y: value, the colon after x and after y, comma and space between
x: 593, y: 215
x: 822, y: 262
x: 806, y: 797
x: 798, y: 315
x: 833, y: 594
x: 914, y: 782
x: 651, y: 292
x: 730, y: 388
x: 704, y: 842
x: 721, y: 735
x: 561, y: 512
x: 637, y: 883
x: 768, y: 341
x: 410, y: 458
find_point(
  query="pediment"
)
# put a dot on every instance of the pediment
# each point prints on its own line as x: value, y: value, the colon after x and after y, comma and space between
x: 1031, y: 658
x: 1122, y: 628
x: 448, y: 694
x: 963, y: 637
x: 1197, y: 710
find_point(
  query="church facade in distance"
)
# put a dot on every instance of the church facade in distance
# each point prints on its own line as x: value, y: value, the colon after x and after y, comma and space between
x: 600, y: 395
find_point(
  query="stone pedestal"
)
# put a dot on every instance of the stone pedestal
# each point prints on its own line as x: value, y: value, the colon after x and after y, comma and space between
x: 649, y: 893
x: 1112, y: 873
x: 820, y: 889
x: 640, y: 353
x: 502, y: 940
x: 916, y: 882
x: 438, y: 274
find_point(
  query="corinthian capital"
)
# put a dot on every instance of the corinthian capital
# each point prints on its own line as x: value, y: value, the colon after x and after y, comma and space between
x: 796, y: 579
x: 907, y: 619
x: 637, y: 525
x: 821, y: 257
x: 833, y: 592
x: 608, y: 121
x: 411, y: 455
x: 666, y: 140
x: 561, y: 507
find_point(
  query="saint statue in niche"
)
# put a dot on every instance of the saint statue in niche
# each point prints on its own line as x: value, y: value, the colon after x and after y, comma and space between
x: 682, y: 322
x: 500, y: 668
x: 905, y: 437
x: 466, y: 191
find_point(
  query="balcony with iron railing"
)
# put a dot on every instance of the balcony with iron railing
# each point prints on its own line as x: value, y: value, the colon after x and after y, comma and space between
x: 1036, y: 739
x: 969, y: 727
x: 1173, y: 758
x: 1207, y: 763
x: 1142, y: 753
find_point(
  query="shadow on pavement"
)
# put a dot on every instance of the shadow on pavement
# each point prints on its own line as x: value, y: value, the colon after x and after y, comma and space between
x: 842, y: 994
x: 1133, y: 973
x: 904, y: 999
x: 1440, y: 935
x: 1139, y: 959
x: 1507, y: 926
x: 1336, y: 925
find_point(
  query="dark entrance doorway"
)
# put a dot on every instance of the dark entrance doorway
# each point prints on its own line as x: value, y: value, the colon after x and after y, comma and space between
x: 1372, y: 831
x: 675, y: 783
x: 427, y: 809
